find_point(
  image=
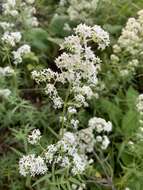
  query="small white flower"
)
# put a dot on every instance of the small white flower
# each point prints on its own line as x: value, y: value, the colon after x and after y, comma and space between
x: 99, y: 138
x: 105, y: 142
x: 74, y: 123
x: 34, y: 137
x: 72, y: 110
x: 34, y: 22
x: 58, y: 102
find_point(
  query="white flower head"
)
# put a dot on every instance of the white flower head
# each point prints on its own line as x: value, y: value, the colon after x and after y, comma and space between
x: 74, y: 123
x: 5, y: 93
x: 105, y: 142
x: 72, y: 110
x: 100, y: 125
x: 32, y: 165
x: 83, y: 30
x: 34, y: 137
x: 11, y: 38
x: 22, y: 51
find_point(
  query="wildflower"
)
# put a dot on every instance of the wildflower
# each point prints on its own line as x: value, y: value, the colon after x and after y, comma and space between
x: 11, y: 38
x: 66, y: 154
x: 105, y: 142
x: 32, y: 165
x: 74, y: 123
x: 34, y: 137
x: 58, y: 102
x: 6, y: 25
x: 72, y: 110
x: 6, y: 71
x: 5, y: 93
x: 139, y: 104
x: 22, y: 51
x: 78, y: 10
x: 69, y: 137
x: 101, y: 37
x: 100, y: 124
x: 101, y: 127
x: 86, y: 140
x: 79, y: 63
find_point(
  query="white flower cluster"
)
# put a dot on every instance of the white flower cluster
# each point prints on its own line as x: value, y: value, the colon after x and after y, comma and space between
x: 6, y: 71
x: 79, y: 66
x: 11, y: 38
x: 139, y: 133
x: 5, y: 93
x: 32, y: 165
x: 139, y: 104
x: 129, y: 49
x: 6, y: 25
x: 17, y: 8
x: 71, y: 151
x: 9, y: 8
x: 78, y: 9
x: 66, y: 154
x: 139, y: 107
x: 34, y: 137
x: 20, y: 53
x: 23, y: 15
x: 101, y: 127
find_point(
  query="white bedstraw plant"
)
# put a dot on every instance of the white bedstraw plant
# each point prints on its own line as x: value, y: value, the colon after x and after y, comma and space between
x: 78, y: 68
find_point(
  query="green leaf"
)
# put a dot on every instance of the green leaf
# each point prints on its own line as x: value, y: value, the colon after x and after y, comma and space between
x: 130, y: 122
x: 38, y: 38
x: 131, y: 97
x: 114, y: 112
x: 57, y: 26
x: 46, y: 177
